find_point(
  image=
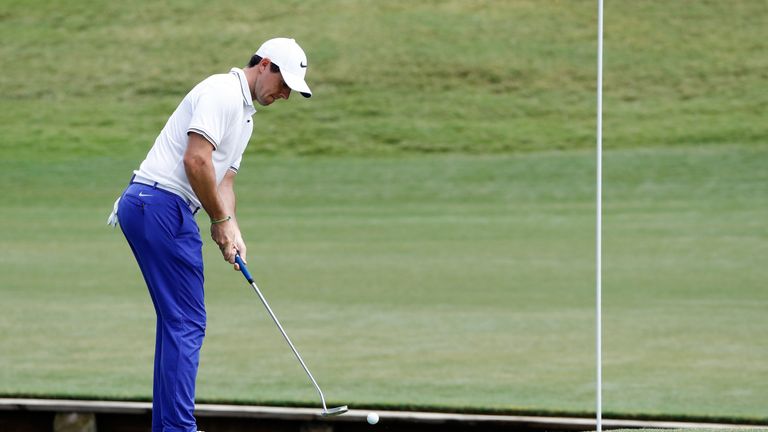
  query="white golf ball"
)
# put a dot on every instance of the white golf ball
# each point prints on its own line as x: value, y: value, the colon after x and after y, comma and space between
x: 373, y: 418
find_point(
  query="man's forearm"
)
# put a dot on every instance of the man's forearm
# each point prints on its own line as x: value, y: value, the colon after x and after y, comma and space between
x: 202, y: 178
x: 227, y: 195
x: 201, y: 175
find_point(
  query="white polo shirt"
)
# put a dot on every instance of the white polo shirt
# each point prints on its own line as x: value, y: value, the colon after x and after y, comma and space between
x: 220, y: 108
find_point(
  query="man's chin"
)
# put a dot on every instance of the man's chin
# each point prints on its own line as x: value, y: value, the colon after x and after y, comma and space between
x: 266, y: 102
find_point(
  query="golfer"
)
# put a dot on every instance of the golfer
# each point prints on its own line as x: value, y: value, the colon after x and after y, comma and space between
x: 193, y: 165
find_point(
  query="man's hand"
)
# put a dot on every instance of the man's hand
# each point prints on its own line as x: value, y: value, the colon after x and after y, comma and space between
x: 241, y: 249
x: 230, y: 241
x: 224, y: 234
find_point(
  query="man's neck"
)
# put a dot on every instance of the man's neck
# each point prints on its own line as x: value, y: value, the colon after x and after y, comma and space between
x: 250, y: 76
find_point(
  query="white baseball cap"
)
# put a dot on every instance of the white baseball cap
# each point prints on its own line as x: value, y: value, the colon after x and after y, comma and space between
x: 291, y: 60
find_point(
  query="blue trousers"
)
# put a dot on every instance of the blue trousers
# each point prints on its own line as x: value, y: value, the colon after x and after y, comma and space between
x: 165, y: 239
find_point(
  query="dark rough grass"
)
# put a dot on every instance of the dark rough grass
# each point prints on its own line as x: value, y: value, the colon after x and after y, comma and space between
x: 85, y: 77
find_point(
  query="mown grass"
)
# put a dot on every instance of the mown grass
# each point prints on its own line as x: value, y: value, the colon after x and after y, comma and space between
x: 458, y: 282
x: 424, y: 225
x: 99, y: 78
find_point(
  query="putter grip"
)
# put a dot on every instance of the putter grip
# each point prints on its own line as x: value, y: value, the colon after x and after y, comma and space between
x: 243, y: 268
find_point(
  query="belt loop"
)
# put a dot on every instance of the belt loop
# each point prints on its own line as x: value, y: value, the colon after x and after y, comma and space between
x: 132, y: 177
x: 154, y: 186
x: 189, y: 204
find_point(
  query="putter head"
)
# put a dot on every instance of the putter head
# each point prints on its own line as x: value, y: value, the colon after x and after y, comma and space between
x: 334, y: 411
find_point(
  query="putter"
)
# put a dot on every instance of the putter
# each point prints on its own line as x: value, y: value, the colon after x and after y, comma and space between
x: 326, y: 412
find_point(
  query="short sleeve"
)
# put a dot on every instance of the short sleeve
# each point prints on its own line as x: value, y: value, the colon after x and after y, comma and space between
x: 236, y: 165
x: 212, y: 112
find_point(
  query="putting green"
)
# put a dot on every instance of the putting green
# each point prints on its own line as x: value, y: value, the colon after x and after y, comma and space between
x: 454, y: 282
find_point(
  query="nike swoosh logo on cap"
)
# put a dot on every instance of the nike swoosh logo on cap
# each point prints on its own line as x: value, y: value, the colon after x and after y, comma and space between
x: 302, y: 65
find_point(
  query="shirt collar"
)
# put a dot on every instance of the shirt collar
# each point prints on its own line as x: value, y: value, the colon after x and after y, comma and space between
x: 247, y: 99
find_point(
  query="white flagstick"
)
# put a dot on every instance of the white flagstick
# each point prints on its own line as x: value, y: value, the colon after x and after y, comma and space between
x: 599, y: 252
